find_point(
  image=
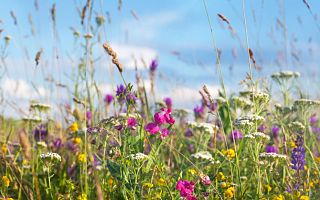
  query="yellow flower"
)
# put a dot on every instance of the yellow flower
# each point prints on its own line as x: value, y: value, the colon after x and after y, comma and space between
x: 161, y: 182
x: 4, y: 148
x: 77, y: 140
x: 5, y: 181
x: 267, y: 188
x: 148, y: 185
x: 82, y: 197
x: 305, y: 167
x: 303, y: 197
x: 74, y: 127
x: 296, y: 194
x: 220, y: 176
x: 82, y: 158
x: 229, y: 193
x: 192, y: 171
x: 110, y: 181
x: 223, y: 185
x: 317, y: 159
x: 230, y: 154
x: 311, y: 184
x: 278, y: 197
x: 292, y: 144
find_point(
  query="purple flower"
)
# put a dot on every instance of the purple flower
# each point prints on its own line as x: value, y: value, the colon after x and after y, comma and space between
x: 188, y: 133
x: 167, y: 115
x: 237, y: 135
x: 271, y: 149
x: 191, y: 148
x: 152, y: 128
x: 132, y: 123
x: 298, y: 155
x: 89, y: 115
x: 108, y: 99
x: 275, y: 131
x: 262, y: 128
x: 40, y: 133
x: 313, y: 119
x: 159, y: 118
x: 131, y: 97
x: 57, y: 144
x: 198, y: 111
x: 120, y: 93
x: 118, y: 127
x: 168, y: 102
x: 153, y: 65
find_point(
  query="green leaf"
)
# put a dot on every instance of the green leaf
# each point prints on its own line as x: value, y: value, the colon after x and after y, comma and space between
x: 114, y: 169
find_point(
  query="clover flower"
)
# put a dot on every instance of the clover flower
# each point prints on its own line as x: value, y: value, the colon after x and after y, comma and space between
x: 132, y: 123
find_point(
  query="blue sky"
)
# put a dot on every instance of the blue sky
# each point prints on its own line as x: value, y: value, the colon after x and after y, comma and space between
x: 164, y: 27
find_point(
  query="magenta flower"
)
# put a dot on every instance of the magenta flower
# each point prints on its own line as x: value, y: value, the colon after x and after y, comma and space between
x: 186, y: 189
x: 262, y: 128
x: 275, y: 131
x: 159, y: 118
x: 168, y: 102
x: 89, y: 115
x: 164, y: 133
x: 198, y: 111
x: 152, y: 128
x: 132, y: 123
x: 108, y: 99
x: 237, y: 135
x: 167, y: 115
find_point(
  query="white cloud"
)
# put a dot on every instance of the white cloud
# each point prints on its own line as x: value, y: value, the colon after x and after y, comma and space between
x: 20, y: 89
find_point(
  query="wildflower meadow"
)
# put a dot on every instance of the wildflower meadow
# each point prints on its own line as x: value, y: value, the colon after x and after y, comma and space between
x: 87, y: 114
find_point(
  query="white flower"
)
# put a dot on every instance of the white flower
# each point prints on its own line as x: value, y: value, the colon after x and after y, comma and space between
x: 32, y: 119
x: 51, y: 156
x: 207, y: 127
x: 202, y: 155
x: 272, y: 155
x: 40, y: 106
x: 41, y: 144
x: 138, y: 156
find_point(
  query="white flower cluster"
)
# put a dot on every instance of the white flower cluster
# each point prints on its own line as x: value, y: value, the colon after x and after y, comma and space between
x: 305, y: 103
x: 40, y: 106
x: 207, y: 127
x: 205, y: 155
x: 138, y: 156
x: 241, y: 101
x: 272, y: 155
x: 132, y: 115
x: 297, y: 125
x: 257, y: 135
x: 285, y: 75
x: 259, y: 96
x: 248, y: 121
x: 41, y: 144
x: 32, y: 119
x: 51, y: 156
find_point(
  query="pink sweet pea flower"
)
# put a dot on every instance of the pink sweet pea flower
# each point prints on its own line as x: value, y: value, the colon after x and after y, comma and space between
x: 152, y: 128
x: 132, y: 123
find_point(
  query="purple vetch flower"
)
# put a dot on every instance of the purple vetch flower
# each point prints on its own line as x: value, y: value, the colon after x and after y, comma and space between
x: 132, y: 123
x: 188, y: 133
x: 191, y: 148
x: 71, y: 171
x: 315, y: 130
x: 271, y: 149
x: 262, y: 128
x: 298, y: 155
x: 40, y: 133
x: 198, y: 111
x: 108, y: 99
x: 237, y: 135
x: 153, y: 65
x: 168, y: 102
x: 57, y: 144
x: 131, y: 97
x: 313, y: 119
x: 121, y: 93
x: 118, y: 127
x: 275, y: 131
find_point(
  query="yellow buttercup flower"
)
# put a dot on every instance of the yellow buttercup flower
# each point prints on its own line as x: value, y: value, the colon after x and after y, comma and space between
x: 148, y: 185
x: 161, y: 182
x: 230, y: 153
x: 77, y: 140
x: 4, y: 148
x: 292, y: 144
x: 229, y: 193
x: 192, y: 171
x: 82, y: 158
x: 278, y: 197
x: 267, y: 188
x: 82, y: 197
x: 303, y: 197
x: 223, y: 185
x: 5, y: 181
x: 74, y: 127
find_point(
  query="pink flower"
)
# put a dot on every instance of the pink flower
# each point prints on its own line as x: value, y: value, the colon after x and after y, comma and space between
x: 132, y: 123
x: 164, y: 133
x: 159, y: 118
x: 167, y: 115
x: 152, y: 128
x: 186, y: 189
x: 206, y: 180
